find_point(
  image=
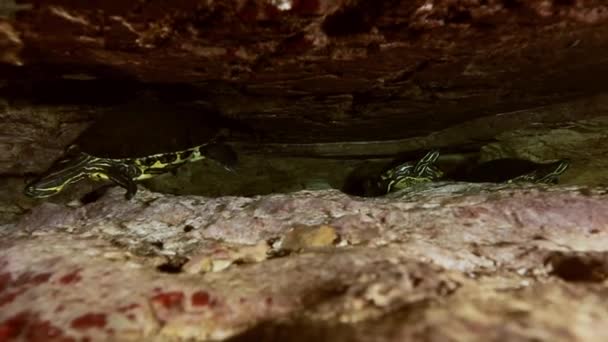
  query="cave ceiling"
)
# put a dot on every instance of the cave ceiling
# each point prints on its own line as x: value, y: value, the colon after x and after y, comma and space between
x: 302, y: 72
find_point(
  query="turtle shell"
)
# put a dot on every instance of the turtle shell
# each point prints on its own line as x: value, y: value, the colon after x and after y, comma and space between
x: 150, y: 127
x: 503, y: 170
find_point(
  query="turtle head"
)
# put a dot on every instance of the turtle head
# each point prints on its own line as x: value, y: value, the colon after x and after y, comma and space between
x: 545, y: 173
x: 422, y: 168
x: 428, y: 174
x: 426, y: 168
x: 68, y: 169
x: 428, y: 160
x: 408, y: 174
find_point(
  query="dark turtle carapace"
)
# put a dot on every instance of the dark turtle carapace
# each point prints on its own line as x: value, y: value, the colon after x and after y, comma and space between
x: 511, y: 170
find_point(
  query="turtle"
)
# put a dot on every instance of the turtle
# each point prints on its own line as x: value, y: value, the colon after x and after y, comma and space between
x: 393, y: 178
x: 409, y: 173
x: 112, y: 150
x: 76, y: 165
x: 514, y: 170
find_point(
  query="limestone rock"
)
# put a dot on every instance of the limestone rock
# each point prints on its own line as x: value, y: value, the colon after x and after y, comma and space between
x: 429, y: 263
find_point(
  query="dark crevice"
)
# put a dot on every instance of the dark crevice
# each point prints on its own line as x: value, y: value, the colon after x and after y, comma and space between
x: 158, y: 244
x: 173, y: 265
x: 94, y: 195
x: 579, y: 267
x: 305, y: 329
x: 359, y: 18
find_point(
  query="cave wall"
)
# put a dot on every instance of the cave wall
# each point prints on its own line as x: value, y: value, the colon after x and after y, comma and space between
x: 310, y: 93
x: 337, y: 80
x: 324, y: 70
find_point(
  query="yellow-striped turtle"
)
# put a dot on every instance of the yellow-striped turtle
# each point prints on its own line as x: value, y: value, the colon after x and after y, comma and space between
x: 393, y: 178
x: 512, y: 170
x: 410, y: 173
x: 77, y: 165
x: 126, y: 148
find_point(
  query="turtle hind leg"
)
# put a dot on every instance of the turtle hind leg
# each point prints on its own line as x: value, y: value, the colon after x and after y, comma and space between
x: 123, y: 179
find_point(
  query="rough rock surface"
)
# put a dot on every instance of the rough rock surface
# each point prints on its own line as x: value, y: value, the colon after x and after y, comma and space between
x: 334, y: 70
x: 444, y: 261
x: 331, y: 79
x: 335, y: 79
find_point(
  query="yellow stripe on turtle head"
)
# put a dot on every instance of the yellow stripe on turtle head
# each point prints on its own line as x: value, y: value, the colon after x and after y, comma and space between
x: 66, y: 171
x: 63, y: 172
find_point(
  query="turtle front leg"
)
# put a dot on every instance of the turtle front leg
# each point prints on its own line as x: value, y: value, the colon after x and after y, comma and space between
x: 123, y: 179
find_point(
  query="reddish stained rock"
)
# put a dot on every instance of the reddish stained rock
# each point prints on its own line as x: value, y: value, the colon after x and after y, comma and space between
x: 29, y: 278
x: 252, y: 12
x: 128, y: 307
x: 44, y: 331
x: 170, y: 300
x: 398, y: 274
x: 5, y: 279
x: 200, y: 298
x: 305, y: 7
x: 9, y: 297
x: 40, y: 278
x: 29, y: 327
x: 3, y: 263
x: 12, y: 327
x: 70, y: 278
x: 468, y: 213
x: 89, y: 320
